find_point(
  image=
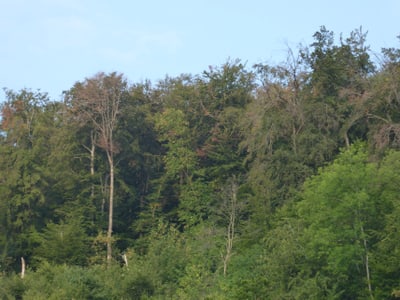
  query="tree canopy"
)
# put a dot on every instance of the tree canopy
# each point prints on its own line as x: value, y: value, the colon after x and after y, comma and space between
x: 242, y: 182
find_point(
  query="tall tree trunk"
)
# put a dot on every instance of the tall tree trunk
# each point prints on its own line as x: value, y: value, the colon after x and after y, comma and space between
x: 111, y: 206
x: 367, y: 264
x: 92, y: 152
x: 98, y: 100
x: 230, y: 232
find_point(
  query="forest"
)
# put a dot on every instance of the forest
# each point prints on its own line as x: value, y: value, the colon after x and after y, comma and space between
x: 243, y: 182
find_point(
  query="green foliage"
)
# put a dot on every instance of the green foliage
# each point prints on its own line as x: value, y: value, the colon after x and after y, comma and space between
x: 246, y: 279
x: 64, y: 243
x: 336, y: 210
x: 337, y: 67
x: 11, y: 287
x: 195, y: 284
x: 271, y: 182
x: 387, y: 248
x: 73, y: 282
x: 166, y: 258
x: 179, y: 160
x: 196, y: 202
x: 342, y: 211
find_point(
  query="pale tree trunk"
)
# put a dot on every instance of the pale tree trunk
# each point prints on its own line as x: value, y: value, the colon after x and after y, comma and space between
x: 22, y: 268
x: 346, y: 140
x: 230, y: 232
x: 111, y: 207
x: 92, y: 151
x: 367, y: 264
x: 104, y: 192
x: 125, y: 259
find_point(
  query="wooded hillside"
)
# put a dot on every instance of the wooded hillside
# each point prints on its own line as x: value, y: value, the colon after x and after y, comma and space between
x: 243, y: 182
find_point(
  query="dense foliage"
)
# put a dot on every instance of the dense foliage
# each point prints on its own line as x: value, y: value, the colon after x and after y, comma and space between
x: 269, y: 182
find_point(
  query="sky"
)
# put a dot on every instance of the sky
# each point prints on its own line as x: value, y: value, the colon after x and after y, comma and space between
x: 51, y: 44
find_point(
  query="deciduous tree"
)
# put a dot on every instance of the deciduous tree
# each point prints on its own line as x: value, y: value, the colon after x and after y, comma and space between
x: 98, y: 101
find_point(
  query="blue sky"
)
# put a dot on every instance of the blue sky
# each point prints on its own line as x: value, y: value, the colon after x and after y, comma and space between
x: 50, y: 44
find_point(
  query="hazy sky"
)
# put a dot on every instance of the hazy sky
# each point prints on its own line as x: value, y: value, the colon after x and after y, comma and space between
x: 50, y: 44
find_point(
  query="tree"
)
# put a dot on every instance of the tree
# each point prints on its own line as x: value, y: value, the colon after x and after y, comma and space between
x: 341, y: 210
x: 23, y: 180
x: 63, y: 243
x: 225, y: 92
x: 282, y: 147
x: 382, y: 109
x: 338, y: 84
x: 97, y: 100
x: 41, y: 173
x: 180, y: 168
x: 138, y: 164
x: 386, y: 271
x: 231, y: 208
